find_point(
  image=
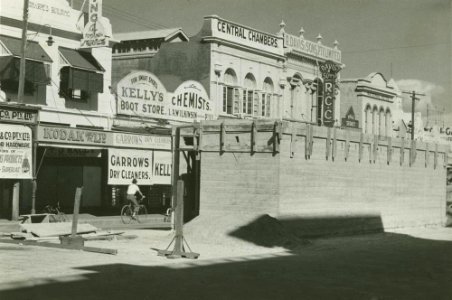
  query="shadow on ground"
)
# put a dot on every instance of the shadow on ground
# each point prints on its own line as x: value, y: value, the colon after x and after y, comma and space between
x: 378, y: 266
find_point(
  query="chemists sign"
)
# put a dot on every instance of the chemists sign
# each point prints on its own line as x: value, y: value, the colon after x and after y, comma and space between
x: 142, y: 94
x: 15, y: 152
x: 124, y: 165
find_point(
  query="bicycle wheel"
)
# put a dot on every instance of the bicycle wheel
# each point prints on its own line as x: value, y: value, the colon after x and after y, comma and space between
x: 126, y: 214
x: 142, y: 215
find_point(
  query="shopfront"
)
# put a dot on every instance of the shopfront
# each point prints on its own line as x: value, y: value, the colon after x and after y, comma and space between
x: 17, y: 124
x: 104, y: 163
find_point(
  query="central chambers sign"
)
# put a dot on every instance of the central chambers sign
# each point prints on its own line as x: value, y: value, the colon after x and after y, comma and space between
x: 142, y: 94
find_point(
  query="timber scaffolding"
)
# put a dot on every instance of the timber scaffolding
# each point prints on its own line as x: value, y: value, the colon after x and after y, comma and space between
x: 318, y: 180
x: 264, y: 136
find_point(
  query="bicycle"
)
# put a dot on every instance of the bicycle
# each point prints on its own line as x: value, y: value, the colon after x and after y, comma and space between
x: 56, y: 215
x: 127, y: 212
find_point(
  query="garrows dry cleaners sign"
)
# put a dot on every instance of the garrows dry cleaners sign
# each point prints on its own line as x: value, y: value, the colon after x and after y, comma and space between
x: 15, y: 152
x: 142, y: 94
x: 94, y: 33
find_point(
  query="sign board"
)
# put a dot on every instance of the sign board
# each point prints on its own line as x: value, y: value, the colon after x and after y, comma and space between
x: 15, y: 152
x: 246, y: 36
x: 141, y: 93
x: 301, y: 45
x: 127, y: 164
x: 162, y: 167
x: 94, y: 33
x: 17, y: 116
x: 190, y: 102
x: 350, y: 120
x: 102, y: 139
x: 329, y: 72
x: 72, y: 152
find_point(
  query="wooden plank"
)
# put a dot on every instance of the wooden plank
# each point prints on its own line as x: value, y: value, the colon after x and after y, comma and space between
x: 55, y: 229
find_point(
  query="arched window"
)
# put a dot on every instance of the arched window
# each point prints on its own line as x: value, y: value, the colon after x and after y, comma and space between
x: 367, y: 118
x: 388, y: 122
x: 374, y: 120
x: 318, y: 96
x: 230, y: 93
x: 250, y: 103
x: 381, y: 122
x: 267, y: 97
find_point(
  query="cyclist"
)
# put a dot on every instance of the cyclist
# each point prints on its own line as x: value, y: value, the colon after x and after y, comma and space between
x: 132, y: 192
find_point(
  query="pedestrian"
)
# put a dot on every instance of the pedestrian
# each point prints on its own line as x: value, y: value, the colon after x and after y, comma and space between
x: 132, y: 191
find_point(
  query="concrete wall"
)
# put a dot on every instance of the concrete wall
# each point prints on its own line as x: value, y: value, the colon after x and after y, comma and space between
x: 319, y: 196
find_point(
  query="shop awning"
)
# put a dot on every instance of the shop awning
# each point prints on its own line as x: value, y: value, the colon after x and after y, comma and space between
x: 80, y: 59
x: 33, y: 50
x: 77, y: 79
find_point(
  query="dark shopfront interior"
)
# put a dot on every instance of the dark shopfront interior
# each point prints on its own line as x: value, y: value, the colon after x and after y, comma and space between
x: 60, y: 175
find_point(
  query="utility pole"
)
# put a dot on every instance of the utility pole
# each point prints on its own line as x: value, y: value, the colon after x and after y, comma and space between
x: 413, y: 101
x: 20, y: 93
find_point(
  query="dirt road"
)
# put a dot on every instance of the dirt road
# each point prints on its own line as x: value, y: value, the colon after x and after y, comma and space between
x: 409, y: 264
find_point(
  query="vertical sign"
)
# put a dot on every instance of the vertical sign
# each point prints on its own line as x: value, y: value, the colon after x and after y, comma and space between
x: 329, y: 72
x: 94, y: 31
x: 15, y: 152
x: 161, y: 169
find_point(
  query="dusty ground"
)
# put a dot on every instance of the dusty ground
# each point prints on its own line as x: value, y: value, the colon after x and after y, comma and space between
x: 408, y: 264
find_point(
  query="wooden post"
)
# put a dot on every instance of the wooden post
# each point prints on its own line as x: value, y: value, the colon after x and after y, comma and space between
x: 222, y: 137
x: 293, y: 137
x: 253, y: 137
x: 389, y: 151
x: 334, y: 149
x: 307, y: 141
x: 427, y: 156
x: 78, y: 196
x: 361, y: 144
x: 176, y: 165
x: 328, y: 142
x: 15, y: 201
x: 402, y: 152
x: 375, y: 148
x: 277, y: 136
x: 347, y: 144
x: 311, y: 140
x: 435, y: 158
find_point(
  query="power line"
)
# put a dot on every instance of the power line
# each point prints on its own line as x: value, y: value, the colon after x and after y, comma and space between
x: 395, y: 48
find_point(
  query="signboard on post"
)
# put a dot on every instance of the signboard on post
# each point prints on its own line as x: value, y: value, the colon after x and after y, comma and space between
x: 15, y: 152
x: 350, y: 120
x: 94, y: 33
x: 127, y: 164
x: 329, y: 70
x: 161, y: 167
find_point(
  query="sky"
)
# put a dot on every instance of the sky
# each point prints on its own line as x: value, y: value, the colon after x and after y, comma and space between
x: 408, y: 40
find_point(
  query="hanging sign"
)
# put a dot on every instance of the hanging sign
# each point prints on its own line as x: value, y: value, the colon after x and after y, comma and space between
x: 94, y: 33
x: 161, y: 167
x: 15, y: 152
x: 329, y: 72
x: 350, y: 120
x: 124, y: 165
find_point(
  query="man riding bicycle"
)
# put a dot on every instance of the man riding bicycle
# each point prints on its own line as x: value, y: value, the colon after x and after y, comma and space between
x: 132, y: 191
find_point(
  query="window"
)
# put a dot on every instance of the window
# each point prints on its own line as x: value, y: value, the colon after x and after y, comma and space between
x: 319, y: 99
x: 267, y: 97
x: 250, y: 99
x: 231, y: 94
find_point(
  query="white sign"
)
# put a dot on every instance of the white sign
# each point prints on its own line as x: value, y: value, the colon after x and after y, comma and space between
x: 141, y: 141
x: 190, y: 102
x: 246, y: 36
x: 15, y: 152
x: 161, y: 167
x: 142, y: 94
x: 124, y: 165
x: 311, y: 48
x: 94, y: 33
